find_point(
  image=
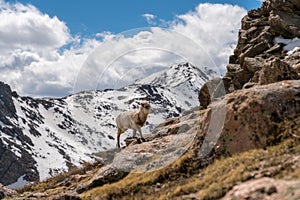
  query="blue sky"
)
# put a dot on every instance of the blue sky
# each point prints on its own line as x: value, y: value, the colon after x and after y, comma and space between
x: 88, y: 17
x: 57, y: 47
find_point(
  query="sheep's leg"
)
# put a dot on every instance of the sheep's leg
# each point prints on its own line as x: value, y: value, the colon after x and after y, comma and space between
x: 134, y: 133
x: 118, y: 137
x: 141, y: 135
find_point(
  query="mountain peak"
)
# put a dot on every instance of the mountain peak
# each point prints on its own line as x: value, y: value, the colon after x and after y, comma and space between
x: 176, y: 75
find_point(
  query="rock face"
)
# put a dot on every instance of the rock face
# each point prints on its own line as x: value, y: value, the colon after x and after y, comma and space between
x: 13, y: 164
x: 275, y: 70
x: 7, y: 107
x: 256, y: 44
x: 257, y: 117
x: 263, y: 97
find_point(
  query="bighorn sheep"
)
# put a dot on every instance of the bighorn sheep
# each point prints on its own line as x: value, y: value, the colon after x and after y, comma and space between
x: 132, y: 119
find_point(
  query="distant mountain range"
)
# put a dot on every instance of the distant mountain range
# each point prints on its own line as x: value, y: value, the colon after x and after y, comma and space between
x: 42, y: 137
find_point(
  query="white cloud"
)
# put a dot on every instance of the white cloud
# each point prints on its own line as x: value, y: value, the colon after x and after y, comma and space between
x: 25, y: 27
x: 43, y: 59
x: 32, y: 58
x: 150, y: 18
x: 214, y: 27
x: 43, y: 77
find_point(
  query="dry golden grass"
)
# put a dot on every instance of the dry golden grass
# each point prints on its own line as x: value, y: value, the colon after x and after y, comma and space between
x: 55, y: 180
x: 183, y: 177
x: 213, y: 182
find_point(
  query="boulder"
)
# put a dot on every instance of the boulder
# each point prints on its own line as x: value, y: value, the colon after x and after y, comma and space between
x: 236, y: 77
x: 263, y: 36
x: 276, y: 48
x: 276, y: 70
x: 253, y: 64
x: 255, y: 118
x: 106, y: 174
x: 285, y: 24
x: 265, y: 188
x: 254, y: 13
x: 210, y: 91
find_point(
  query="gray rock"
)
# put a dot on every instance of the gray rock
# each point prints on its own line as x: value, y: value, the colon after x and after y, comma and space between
x: 275, y: 48
x: 211, y: 90
x: 285, y: 24
x: 253, y: 64
x: 253, y: 50
x: 276, y: 70
x: 106, y: 174
x: 7, y: 107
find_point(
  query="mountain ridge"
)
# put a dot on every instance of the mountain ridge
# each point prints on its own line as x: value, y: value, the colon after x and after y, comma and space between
x: 72, y: 128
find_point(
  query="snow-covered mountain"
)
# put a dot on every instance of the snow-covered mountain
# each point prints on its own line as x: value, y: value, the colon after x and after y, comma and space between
x: 42, y: 137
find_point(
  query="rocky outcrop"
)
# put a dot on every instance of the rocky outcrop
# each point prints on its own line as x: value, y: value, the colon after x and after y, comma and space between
x: 7, y: 108
x: 256, y: 44
x: 255, y: 118
x: 273, y: 71
x: 257, y: 59
x: 12, y: 166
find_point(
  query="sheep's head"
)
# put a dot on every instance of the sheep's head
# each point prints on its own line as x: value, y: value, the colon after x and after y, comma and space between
x: 145, y: 106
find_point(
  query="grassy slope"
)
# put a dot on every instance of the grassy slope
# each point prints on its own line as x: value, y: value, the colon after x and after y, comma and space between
x: 181, y: 178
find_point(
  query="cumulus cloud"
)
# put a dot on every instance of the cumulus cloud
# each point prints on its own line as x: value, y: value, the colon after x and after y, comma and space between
x: 32, y: 59
x: 213, y: 27
x: 43, y: 59
x: 25, y: 27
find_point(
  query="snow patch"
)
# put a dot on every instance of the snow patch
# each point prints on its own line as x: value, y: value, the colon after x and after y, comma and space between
x: 293, y: 51
x: 290, y: 44
x: 18, y: 184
